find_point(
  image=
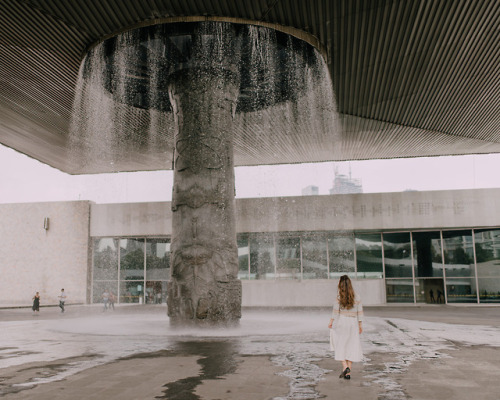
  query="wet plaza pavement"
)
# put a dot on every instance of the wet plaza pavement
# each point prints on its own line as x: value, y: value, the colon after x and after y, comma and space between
x: 427, y: 352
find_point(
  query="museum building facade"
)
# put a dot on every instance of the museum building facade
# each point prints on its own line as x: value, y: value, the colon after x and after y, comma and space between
x: 439, y: 247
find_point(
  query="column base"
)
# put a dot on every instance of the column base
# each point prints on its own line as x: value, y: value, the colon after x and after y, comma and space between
x: 220, y: 306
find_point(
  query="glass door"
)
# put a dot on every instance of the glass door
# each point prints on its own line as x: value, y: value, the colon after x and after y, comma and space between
x: 428, y: 261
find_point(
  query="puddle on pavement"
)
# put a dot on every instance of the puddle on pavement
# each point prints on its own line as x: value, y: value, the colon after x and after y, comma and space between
x: 217, y: 359
x: 27, y: 377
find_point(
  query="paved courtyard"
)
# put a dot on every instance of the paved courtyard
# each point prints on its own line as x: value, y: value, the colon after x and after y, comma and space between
x: 427, y: 352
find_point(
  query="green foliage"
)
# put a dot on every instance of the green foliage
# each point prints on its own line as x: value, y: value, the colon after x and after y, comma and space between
x: 133, y: 260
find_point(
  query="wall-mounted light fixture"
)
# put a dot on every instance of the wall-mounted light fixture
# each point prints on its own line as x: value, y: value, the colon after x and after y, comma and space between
x: 46, y: 221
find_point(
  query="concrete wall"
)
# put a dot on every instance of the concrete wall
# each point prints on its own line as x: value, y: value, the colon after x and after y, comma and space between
x: 34, y: 259
x: 372, y: 211
x: 131, y: 219
x: 307, y: 293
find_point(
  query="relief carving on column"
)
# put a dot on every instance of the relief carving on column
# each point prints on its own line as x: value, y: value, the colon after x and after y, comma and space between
x: 205, y: 286
x: 195, y: 152
x: 195, y: 196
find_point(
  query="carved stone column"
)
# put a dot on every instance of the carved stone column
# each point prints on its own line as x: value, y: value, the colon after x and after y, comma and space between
x: 204, y: 287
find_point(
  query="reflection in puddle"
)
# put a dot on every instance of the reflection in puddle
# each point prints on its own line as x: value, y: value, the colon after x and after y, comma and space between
x: 24, y: 378
x: 217, y: 359
x: 15, y: 352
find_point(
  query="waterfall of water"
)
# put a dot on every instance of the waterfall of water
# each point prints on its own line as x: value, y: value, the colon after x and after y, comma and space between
x: 122, y: 118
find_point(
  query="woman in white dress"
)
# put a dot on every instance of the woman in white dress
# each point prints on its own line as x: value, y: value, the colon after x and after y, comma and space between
x: 348, y: 316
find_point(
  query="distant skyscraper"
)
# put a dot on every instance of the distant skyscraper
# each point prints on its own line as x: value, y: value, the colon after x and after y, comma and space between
x: 343, y: 184
x: 310, y: 190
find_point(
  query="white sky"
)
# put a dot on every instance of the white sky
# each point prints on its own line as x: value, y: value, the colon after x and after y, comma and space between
x: 23, y: 179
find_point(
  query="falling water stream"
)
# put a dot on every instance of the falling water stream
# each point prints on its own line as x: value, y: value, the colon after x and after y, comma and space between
x: 122, y: 118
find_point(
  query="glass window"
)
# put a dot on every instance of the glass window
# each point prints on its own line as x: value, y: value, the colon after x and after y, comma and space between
x: 369, y: 255
x: 399, y: 290
x: 427, y: 254
x: 288, y: 250
x: 105, y: 259
x: 131, y: 259
x: 341, y: 256
x: 262, y: 257
x: 132, y: 292
x: 397, y: 255
x: 458, y: 253
x: 243, y: 254
x: 157, y: 259
x: 314, y: 260
x: 489, y: 290
x: 487, y: 252
x: 461, y: 290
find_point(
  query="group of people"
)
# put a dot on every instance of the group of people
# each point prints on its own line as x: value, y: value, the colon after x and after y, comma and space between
x: 108, y: 298
x: 36, y: 302
x: 153, y: 297
x: 439, y: 296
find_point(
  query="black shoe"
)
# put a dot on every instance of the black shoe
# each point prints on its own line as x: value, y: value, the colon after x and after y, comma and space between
x: 344, y: 372
x: 347, y: 376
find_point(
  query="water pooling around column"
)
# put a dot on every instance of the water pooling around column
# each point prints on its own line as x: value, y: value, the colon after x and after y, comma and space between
x: 184, y: 93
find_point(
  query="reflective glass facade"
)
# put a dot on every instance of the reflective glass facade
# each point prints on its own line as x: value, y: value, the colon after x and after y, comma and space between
x: 369, y: 260
x: 157, y: 270
x: 453, y: 266
x: 399, y: 290
x: 105, y: 271
x: 262, y: 257
x: 487, y: 252
x: 134, y: 270
x: 288, y: 264
x: 428, y: 267
x: 340, y: 252
x: 243, y: 257
x: 397, y: 255
x: 132, y: 257
x: 314, y: 258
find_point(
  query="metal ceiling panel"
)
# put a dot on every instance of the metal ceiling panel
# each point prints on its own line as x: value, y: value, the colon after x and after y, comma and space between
x: 410, y: 78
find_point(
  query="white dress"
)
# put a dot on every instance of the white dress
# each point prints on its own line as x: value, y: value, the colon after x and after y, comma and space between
x: 345, y: 338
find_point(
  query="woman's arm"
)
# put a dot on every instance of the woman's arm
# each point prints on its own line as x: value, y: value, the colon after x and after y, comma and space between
x: 359, y: 314
x: 335, y: 312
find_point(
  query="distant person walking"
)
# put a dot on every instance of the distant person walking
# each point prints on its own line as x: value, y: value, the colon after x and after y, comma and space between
x: 348, y: 317
x: 36, y: 303
x: 439, y: 298
x: 112, y: 300
x: 433, y: 300
x: 105, y: 300
x: 62, y: 300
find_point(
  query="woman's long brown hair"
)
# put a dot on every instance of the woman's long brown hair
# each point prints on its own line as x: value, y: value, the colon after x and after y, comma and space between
x: 346, y: 293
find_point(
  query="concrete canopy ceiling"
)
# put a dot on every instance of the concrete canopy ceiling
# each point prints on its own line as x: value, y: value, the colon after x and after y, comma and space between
x: 410, y: 78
